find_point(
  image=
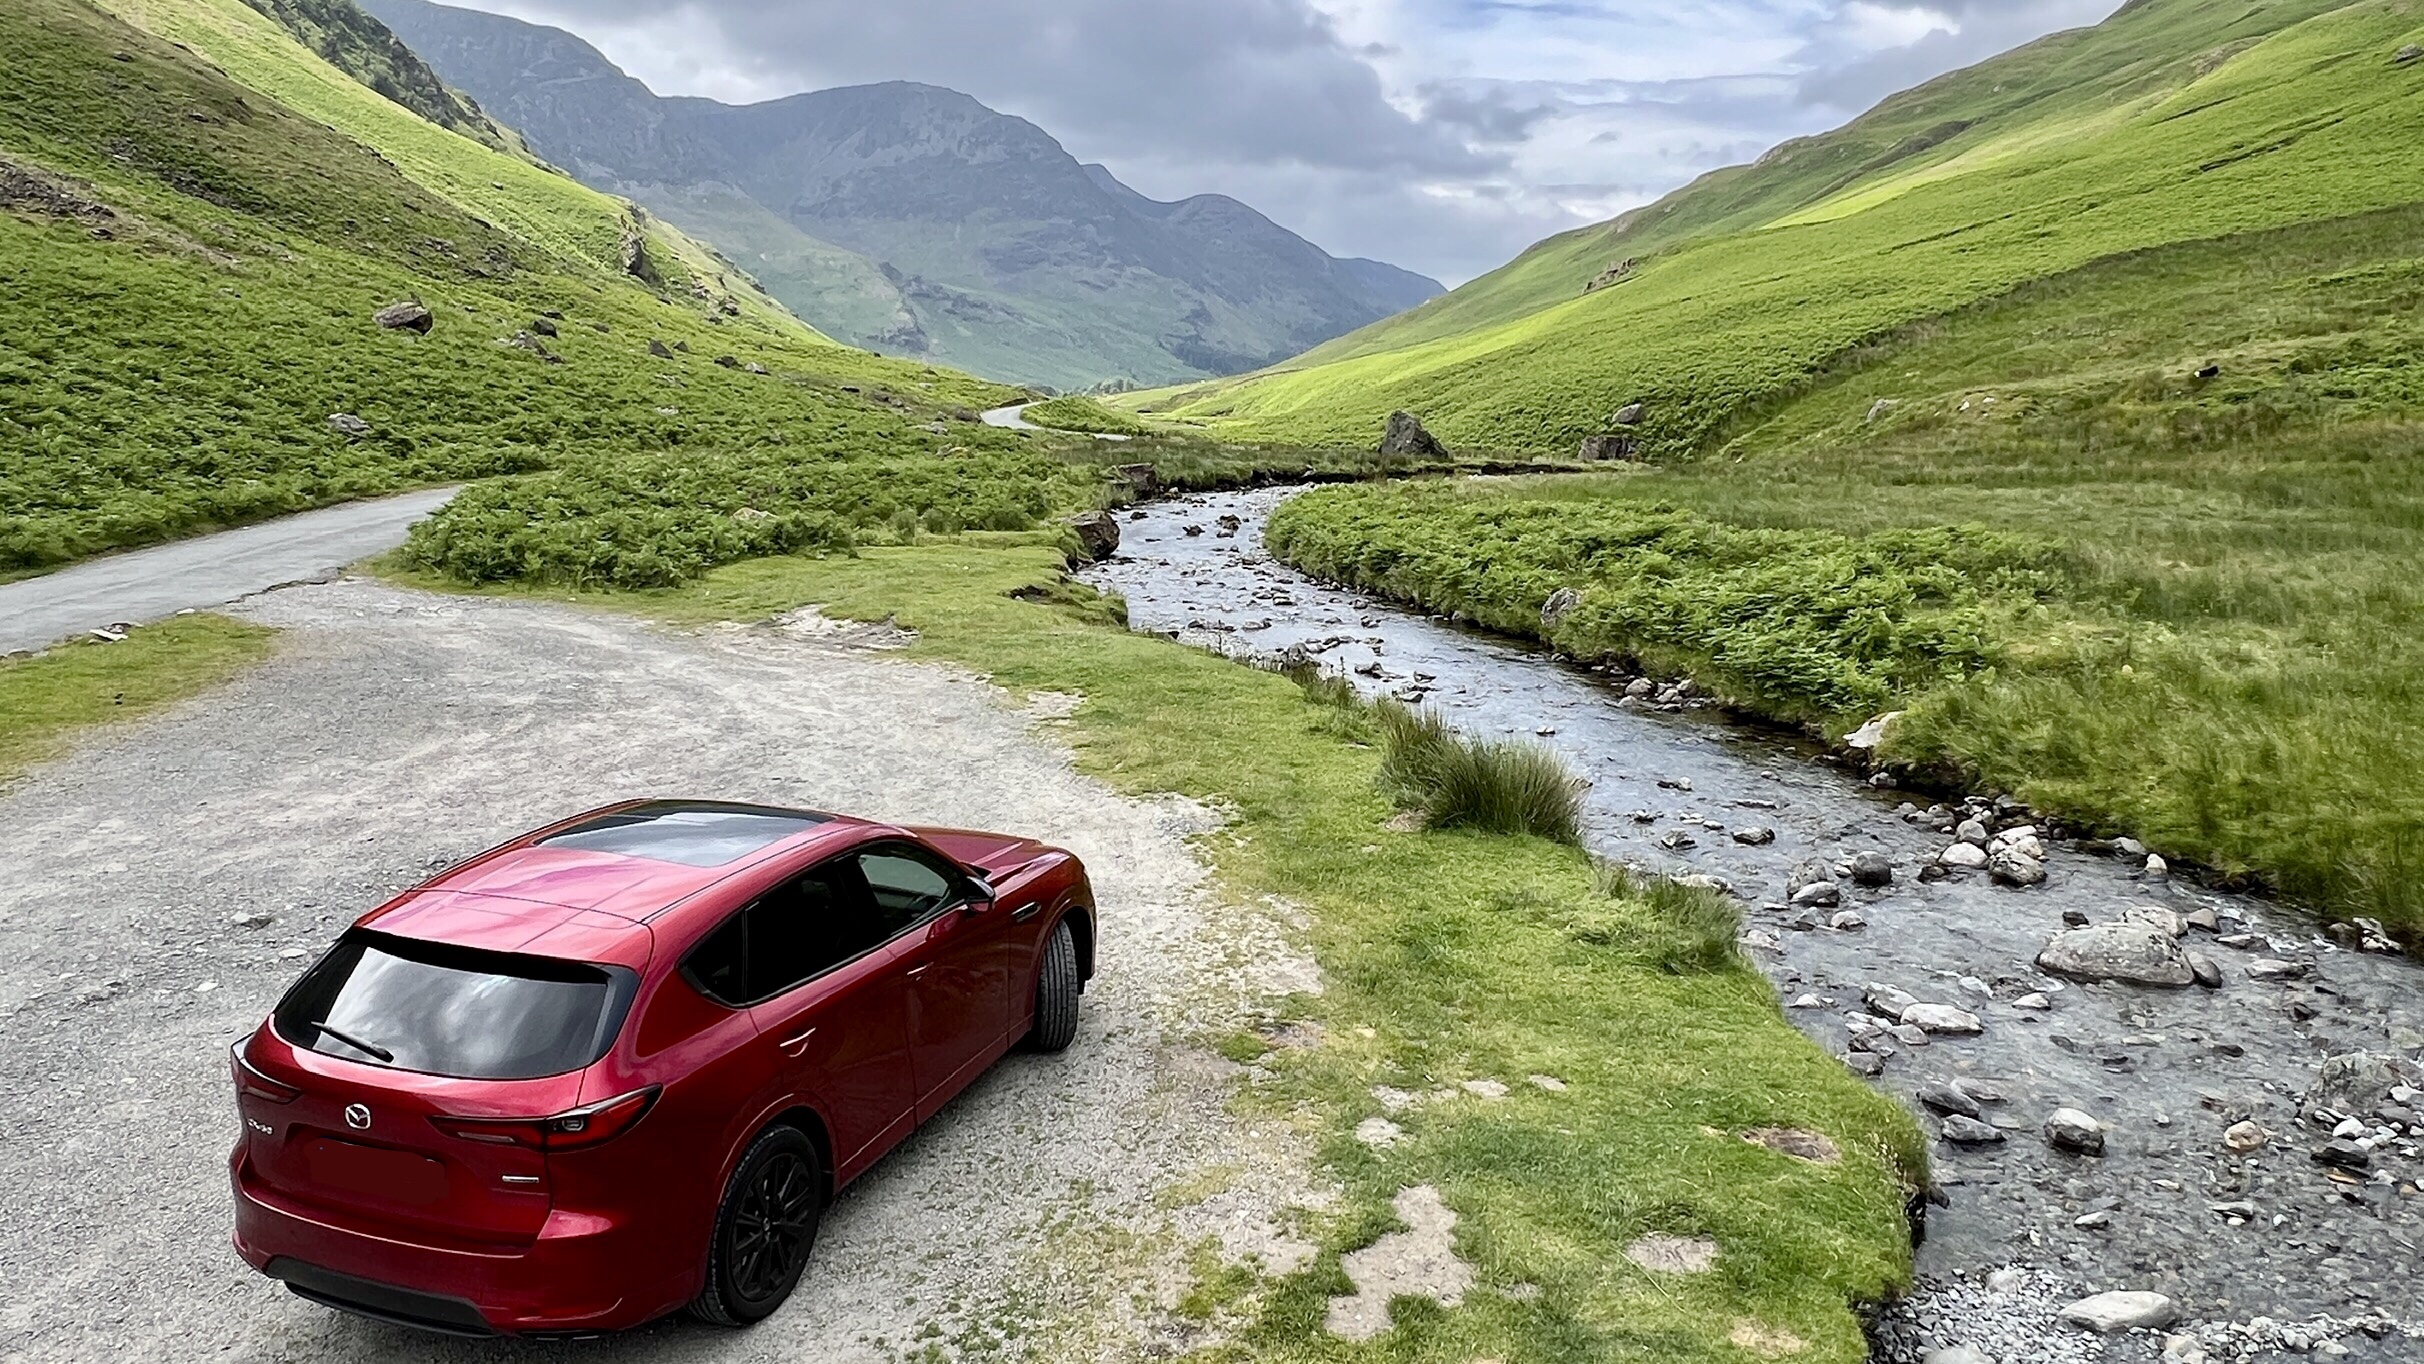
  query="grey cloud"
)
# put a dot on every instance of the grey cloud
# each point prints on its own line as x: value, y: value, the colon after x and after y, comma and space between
x: 1483, y: 111
x: 1253, y: 81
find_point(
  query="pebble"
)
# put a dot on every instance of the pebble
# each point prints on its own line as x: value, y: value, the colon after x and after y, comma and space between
x: 2033, y: 1001
x: 1755, y: 838
x: 1872, y: 869
x: 2071, y: 1130
x: 2244, y: 1137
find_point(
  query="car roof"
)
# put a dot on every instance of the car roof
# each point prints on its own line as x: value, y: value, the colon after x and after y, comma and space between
x: 603, y: 874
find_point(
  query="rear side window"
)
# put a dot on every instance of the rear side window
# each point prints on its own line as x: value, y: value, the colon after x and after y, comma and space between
x: 808, y: 926
x: 455, y: 1011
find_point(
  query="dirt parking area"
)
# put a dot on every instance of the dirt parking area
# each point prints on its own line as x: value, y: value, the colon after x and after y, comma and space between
x: 1052, y: 1211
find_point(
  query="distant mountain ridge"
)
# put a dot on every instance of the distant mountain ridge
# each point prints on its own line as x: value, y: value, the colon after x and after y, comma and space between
x: 914, y: 219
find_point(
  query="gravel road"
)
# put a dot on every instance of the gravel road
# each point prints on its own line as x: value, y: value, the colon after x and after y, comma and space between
x: 208, y: 570
x: 1057, y: 1202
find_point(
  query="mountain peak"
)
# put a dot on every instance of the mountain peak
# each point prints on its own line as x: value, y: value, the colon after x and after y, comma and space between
x: 911, y: 217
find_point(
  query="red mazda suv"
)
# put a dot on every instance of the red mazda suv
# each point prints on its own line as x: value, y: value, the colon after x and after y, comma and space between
x: 618, y: 1066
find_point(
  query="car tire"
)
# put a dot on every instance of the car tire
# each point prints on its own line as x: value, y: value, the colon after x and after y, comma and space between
x: 1057, y: 986
x: 764, y: 1230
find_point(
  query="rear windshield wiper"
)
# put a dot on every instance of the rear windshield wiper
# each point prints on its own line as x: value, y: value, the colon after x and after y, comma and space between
x: 366, y: 1048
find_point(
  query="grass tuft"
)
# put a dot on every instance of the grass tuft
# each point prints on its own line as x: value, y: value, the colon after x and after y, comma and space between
x: 1488, y: 785
x: 1691, y: 930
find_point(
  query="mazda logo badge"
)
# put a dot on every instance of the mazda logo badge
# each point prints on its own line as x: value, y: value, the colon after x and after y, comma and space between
x: 357, y: 1117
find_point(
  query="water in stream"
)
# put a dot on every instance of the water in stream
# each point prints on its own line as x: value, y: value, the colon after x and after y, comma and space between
x: 2167, y: 1208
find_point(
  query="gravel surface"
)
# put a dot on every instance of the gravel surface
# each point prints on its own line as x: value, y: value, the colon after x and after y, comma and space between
x: 1057, y: 1202
x: 2164, y: 1205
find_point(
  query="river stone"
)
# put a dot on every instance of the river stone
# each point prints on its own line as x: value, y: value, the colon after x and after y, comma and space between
x: 1872, y: 869
x: 2208, y: 971
x: 1822, y: 895
x: 1886, y: 1001
x: 2244, y: 1137
x: 1560, y: 605
x: 1973, y: 831
x: 2115, y: 1312
x: 1959, y: 1354
x: 1961, y: 1131
x: 1755, y: 838
x: 1964, y: 857
x: 1868, y: 737
x: 1942, y: 1098
x: 2071, y: 1130
x: 2017, y: 870
x: 2358, y: 1083
x: 2123, y: 951
x: 2156, y: 916
x: 1943, y: 1020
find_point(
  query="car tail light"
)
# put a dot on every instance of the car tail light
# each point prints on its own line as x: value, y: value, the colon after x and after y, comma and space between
x: 253, y: 1084
x: 568, y: 1131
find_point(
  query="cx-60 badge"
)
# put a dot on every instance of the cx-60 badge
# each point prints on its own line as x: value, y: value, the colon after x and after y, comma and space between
x: 357, y: 1117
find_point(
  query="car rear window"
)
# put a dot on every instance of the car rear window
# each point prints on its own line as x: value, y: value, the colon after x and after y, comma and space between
x: 455, y: 1011
x: 692, y: 835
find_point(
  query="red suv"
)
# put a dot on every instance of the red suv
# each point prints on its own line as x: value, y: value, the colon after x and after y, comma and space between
x: 618, y: 1066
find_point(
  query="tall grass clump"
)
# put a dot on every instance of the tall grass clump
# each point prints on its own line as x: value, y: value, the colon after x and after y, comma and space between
x: 1490, y: 785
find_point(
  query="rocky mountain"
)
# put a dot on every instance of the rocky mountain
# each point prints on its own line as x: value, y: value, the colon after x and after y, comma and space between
x: 914, y: 220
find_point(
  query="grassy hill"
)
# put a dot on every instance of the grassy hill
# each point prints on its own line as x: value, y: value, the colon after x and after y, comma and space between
x: 2174, y: 121
x: 202, y: 216
x: 2069, y: 403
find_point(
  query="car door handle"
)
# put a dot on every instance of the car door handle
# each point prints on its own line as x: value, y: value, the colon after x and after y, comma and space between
x: 1025, y: 912
x: 916, y: 971
x: 793, y: 1046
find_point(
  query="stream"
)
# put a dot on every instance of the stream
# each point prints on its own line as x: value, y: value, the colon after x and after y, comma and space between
x: 2263, y: 1250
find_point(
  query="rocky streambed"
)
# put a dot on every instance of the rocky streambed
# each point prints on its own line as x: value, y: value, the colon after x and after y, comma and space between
x: 2187, y: 1120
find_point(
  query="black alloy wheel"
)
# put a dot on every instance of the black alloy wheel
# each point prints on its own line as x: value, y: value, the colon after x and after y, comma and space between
x: 764, y: 1231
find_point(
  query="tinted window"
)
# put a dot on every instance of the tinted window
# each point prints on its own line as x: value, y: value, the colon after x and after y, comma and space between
x: 455, y: 1011
x: 794, y: 934
x: 906, y: 887
x: 693, y: 835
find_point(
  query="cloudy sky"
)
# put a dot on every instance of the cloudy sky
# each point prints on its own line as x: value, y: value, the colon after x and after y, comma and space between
x: 1443, y: 135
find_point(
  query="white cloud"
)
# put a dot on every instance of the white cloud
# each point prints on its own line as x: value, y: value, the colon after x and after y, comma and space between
x: 1443, y: 135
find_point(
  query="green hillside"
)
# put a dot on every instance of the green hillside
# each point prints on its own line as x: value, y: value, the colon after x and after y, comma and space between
x: 202, y: 216
x: 2173, y: 121
x: 2088, y: 436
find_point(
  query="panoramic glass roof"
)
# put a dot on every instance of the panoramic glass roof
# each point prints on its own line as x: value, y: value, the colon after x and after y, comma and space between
x: 692, y: 834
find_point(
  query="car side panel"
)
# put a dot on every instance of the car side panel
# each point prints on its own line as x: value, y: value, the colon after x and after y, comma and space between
x: 840, y: 1044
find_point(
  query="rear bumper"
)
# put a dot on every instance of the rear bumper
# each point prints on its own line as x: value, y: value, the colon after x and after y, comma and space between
x: 584, y: 1274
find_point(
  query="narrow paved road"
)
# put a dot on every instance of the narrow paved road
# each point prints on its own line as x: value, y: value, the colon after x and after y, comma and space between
x: 210, y: 570
x: 1014, y: 418
x: 1011, y: 418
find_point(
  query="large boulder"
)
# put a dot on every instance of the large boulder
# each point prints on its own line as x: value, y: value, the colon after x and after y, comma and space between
x: 2138, y: 952
x: 1607, y: 448
x: 409, y: 316
x: 1408, y: 437
x: 1097, y: 535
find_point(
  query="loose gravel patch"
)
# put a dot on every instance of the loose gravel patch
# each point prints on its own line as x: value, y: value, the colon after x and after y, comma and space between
x: 1053, y: 1211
